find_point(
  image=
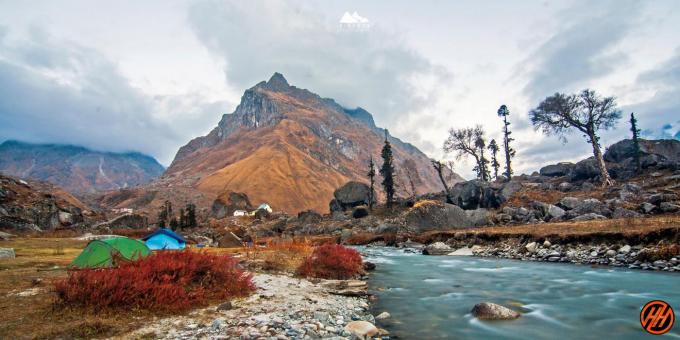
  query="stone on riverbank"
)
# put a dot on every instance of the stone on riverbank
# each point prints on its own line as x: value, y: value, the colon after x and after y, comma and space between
x: 362, y: 329
x: 437, y: 248
x: 492, y: 311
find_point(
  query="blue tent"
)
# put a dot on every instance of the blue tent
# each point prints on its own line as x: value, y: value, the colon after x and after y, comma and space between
x: 164, y: 239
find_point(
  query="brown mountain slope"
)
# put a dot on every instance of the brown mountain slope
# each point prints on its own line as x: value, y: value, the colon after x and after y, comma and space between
x: 290, y: 148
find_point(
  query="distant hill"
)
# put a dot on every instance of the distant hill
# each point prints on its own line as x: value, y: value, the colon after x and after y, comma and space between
x: 75, y: 168
x: 285, y: 146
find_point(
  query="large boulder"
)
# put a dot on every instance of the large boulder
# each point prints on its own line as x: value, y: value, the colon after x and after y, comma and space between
x: 667, y: 149
x: 557, y: 170
x: 585, y: 169
x: 589, y: 206
x: 350, y: 195
x: 361, y: 329
x: 437, y: 248
x: 308, y: 217
x: 228, y: 202
x: 432, y: 215
x: 492, y: 311
x: 476, y: 194
x: 479, y: 217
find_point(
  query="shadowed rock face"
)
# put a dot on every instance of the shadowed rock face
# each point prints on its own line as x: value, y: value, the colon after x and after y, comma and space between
x: 291, y: 148
x: 77, y: 169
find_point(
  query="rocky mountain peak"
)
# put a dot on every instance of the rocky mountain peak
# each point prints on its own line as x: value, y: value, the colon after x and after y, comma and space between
x: 277, y: 83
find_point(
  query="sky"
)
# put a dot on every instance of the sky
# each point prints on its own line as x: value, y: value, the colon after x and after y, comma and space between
x: 149, y: 76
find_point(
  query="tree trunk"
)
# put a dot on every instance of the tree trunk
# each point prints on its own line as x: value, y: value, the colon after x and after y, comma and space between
x: 606, y: 180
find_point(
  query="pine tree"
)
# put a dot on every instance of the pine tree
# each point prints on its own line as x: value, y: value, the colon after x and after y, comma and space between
x: 371, y: 177
x: 182, y: 219
x: 387, y: 171
x: 174, y: 223
x: 636, y: 141
x: 509, y: 152
x: 191, y: 216
x: 165, y: 214
x: 493, y: 147
x: 482, y: 167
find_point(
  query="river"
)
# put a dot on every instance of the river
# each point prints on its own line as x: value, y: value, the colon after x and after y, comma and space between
x: 430, y: 297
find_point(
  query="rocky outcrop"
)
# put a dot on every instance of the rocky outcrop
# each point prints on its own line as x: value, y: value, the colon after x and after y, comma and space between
x: 228, y: 202
x: 127, y: 221
x: 492, y: 311
x: 476, y: 194
x: 350, y: 195
x: 37, y: 206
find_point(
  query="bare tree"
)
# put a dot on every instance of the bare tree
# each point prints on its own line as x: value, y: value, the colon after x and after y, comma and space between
x: 469, y: 142
x: 586, y: 112
x: 371, y: 177
x: 440, y: 167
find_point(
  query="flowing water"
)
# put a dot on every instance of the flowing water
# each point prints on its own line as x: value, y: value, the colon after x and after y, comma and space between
x: 430, y: 297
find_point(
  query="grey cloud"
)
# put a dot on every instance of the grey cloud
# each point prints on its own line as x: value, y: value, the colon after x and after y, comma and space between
x: 582, y: 49
x: 59, y: 92
x: 370, y: 69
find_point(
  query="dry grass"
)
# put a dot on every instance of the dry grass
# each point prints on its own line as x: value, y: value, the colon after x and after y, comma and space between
x: 281, y: 255
x: 635, y: 229
x: 33, y: 315
x: 526, y: 196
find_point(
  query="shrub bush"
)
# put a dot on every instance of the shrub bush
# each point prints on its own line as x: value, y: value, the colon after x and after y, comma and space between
x: 165, y: 281
x: 332, y: 261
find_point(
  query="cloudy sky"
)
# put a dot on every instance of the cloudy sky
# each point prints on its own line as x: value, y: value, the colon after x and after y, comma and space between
x: 149, y: 76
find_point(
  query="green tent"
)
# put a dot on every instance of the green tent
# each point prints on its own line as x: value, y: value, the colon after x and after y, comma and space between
x: 108, y: 252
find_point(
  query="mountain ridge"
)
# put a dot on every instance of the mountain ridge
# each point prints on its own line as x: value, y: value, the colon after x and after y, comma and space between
x: 76, y: 168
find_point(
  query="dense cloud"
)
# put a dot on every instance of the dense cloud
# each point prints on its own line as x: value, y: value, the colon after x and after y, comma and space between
x: 582, y: 48
x: 60, y: 92
x: 370, y: 68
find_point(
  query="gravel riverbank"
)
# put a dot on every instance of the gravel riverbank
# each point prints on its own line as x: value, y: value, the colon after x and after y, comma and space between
x: 283, y: 307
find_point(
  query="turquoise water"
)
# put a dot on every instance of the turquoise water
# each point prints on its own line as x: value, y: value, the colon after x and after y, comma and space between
x: 430, y: 297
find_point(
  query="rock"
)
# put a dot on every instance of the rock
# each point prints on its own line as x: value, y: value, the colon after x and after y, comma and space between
x: 7, y: 253
x: 322, y: 316
x: 479, y: 217
x: 664, y: 149
x: 657, y: 199
x: 625, y: 249
x: 437, y: 248
x: 569, y: 202
x: 228, y: 202
x: 492, y: 311
x: 308, y: 217
x: 347, y: 287
x: 66, y: 218
x: 668, y: 207
x: 564, y: 186
x: 369, y: 266
x: 555, y: 212
x: 585, y: 169
x: 610, y: 253
x: 557, y: 170
x: 225, y: 306
x: 431, y: 215
x: 624, y: 213
x: 383, y: 316
x: 465, y: 251
x: 5, y: 236
x: 547, y: 244
x: 361, y: 329
x: 531, y: 247
x: 647, y: 207
x: 503, y: 218
x: 217, y: 324
x: 589, y: 217
x: 588, y: 206
x: 350, y: 195
x: 360, y: 211
x: 476, y: 194
x: 229, y: 240
x: 126, y: 221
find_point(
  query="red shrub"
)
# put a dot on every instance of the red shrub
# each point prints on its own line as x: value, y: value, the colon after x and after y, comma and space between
x: 165, y: 281
x: 332, y: 261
